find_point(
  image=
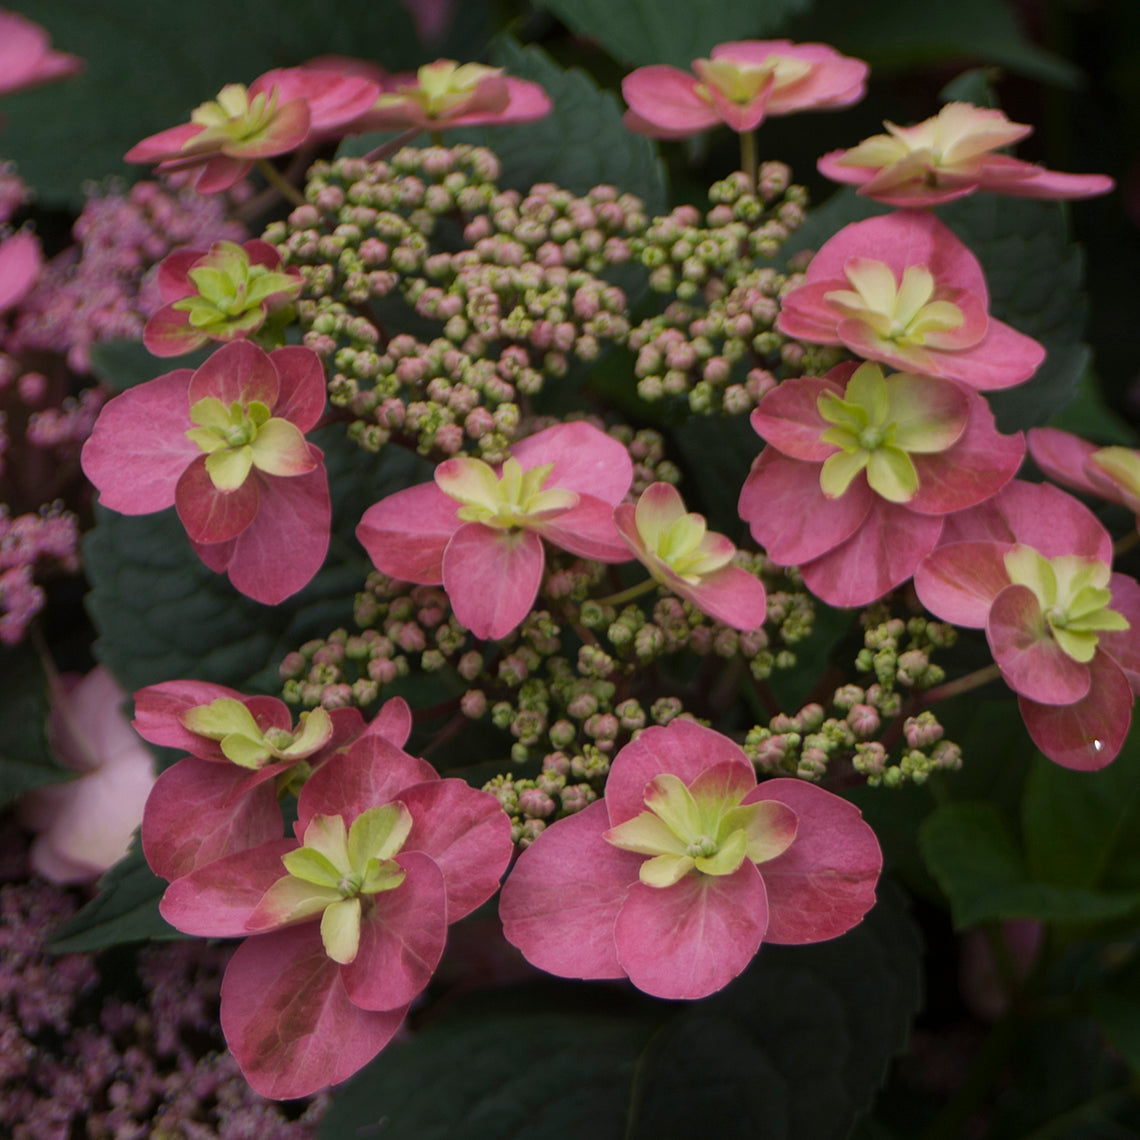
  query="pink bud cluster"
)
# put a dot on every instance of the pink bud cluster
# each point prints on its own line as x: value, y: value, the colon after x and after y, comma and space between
x: 31, y: 546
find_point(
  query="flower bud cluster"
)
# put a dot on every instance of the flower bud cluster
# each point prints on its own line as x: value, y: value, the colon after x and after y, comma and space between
x: 565, y: 786
x: 521, y: 298
x: 32, y: 545
x: 716, y: 343
x: 898, y: 652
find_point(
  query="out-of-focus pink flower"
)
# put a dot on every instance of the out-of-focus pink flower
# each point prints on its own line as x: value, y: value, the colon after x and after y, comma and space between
x: 861, y: 470
x: 223, y: 797
x: 478, y: 531
x: 741, y: 85
x: 984, y: 987
x: 86, y: 825
x: 1033, y: 567
x: 675, y: 878
x: 226, y: 446
x: 431, y: 17
x: 27, y: 58
x: 348, y: 921
x: 448, y: 94
x: 949, y: 156
x: 226, y: 292
x: 903, y: 290
x: 20, y: 265
x: 1111, y: 473
x: 696, y: 564
x: 280, y: 110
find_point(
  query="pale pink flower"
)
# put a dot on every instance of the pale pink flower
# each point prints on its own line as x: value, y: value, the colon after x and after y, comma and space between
x: 277, y: 113
x: 1033, y: 567
x: 860, y: 471
x: 85, y: 826
x: 27, y: 58
x: 903, y: 290
x: 680, y: 552
x: 676, y: 877
x: 949, y: 156
x: 348, y: 921
x: 479, y: 532
x: 20, y: 265
x: 1111, y: 473
x: 225, y: 445
x: 741, y: 85
x: 449, y: 94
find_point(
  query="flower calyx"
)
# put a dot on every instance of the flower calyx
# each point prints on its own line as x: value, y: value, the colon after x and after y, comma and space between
x: 245, y: 743
x: 508, y: 500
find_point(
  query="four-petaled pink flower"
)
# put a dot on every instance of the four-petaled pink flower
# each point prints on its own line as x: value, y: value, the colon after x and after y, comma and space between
x: 949, y: 156
x: 226, y: 446
x: 449, y: 94
x: 479, y: 531
x: 675, y: 878
x: 741, y: 85
x: 1033, y: 567
x: 680, y: 552
x: 223, y: 293
x: 276, y: 114
x: 224, y: 796
x: 27, y: 58
x: 1111, y: 473
x: 903, y: 290
x: 348, y: 921
x: 861, y: 470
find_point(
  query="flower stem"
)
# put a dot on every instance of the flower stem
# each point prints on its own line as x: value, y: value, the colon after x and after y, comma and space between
x: 286, y: 189
x: 392, y: 145
x: 748, y: 161
x: 962, y: 685
x: 624, y: 596
x: 1126, y: 542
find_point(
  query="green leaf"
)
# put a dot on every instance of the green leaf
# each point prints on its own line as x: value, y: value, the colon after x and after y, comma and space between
x: 580, y: 144
x: 1088, y: 415
x: 1115, y: 1003
x: 124, y: 910
x: 977, y: 862
x: 671, y: 31
x: 121, y: 364
x: 26, y: 761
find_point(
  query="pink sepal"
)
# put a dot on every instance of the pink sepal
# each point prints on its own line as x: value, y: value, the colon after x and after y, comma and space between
x: 26, y: 56
x: 691, y: 939
x: 169, y: 332
x: 492, y: 577
x: 334, y: 98
x: 665, y: 104
x: 561, y: 901
x: 466, y: 833
x: 959, y: 582
x: 1123, y: 646
x: 585, y: 460
x: 586, y: 529
x: 1062, y: 457
x: 402, y: 934
x: 789, y: 419
x: 216, y: 900
x: 730, y: 595
x: 288, y: 1020
x: 406, y: 533
x: 302, y: 391
x: 220, y: 173
x: 200, y: 810
x: 20, y: 265
x: 209, y: 515
x: 393, y: 722
x: 824, y: 883
x: 134, y: 466
x: 236, y: 373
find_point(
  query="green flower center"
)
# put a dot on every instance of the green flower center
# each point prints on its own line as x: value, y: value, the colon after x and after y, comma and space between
x: 232, y: 117
x: 242, y: 741
x: 441, y: 88
x: 741, y: 82
x: 513, y: 498
x: 232, y: 293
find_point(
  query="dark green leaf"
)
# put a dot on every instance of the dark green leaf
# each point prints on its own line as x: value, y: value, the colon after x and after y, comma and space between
x: 671, y: 31
x: 26, y: 761
x: 121, y: 364
x: 1116, y: 1007
x: 124, y: 910
x: 1089, y: 416
x: 973, y: 86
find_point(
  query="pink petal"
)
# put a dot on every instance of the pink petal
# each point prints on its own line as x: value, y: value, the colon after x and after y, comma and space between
x: 561, y: 900
x: 199, y: 811
x: 788, y: 513
x: 393, y: 722
x: 173, y: 277
x: 406, y: 533
x: 281, y: 551
x: 585, y: 460
x: 526, y: 101
x: 691, y: 939
x: 1031, y: 662
x: 492, y: 577
x: 882, y: 554
x: 1062, y: 456
x: 586, y: 529
x: 467, y: 835
x: 683, y: 748
x: 288, y: 1020
x: 220, y: 173
x: 138, y: 448
x: 301, y: 399
x: 169, y: 333
x: 239, y: 373
x: 1124, y: 646
x: 20, y: 264
x: 210, y: 515
x: 806, y: 314
x: 334, y: 98
x: 26, y: 57
x: 217, y: 899
x: 666, y: 99
x: 824, y: 883
x: 1089, y: 733
x: 1006, y: 175
x: 402, y: 933
x: 789, y: 418
x: 1005, y: 357
x: 164, y: 145
x: 959, y: 582
x: 730, y: 595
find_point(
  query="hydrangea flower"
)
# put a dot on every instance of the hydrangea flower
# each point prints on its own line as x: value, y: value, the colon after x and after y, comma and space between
x: 478, y: 531
x: 20, y: 265
x: 348, y: 920
x: 449, y: 94
x: 85, y: 826
x: 226, y: 292
x: 1111, y: 473
x: 27, y: 58
x: 861, y: 470
x: 740, y: 85
x: 1033, y: 567
x: 949, y: 156
x: 680, y: 552
x: 277, y: 113
x: 223, y: 797
x: 903, y: 290
x: 675, y: 878
x: 225, y: 444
